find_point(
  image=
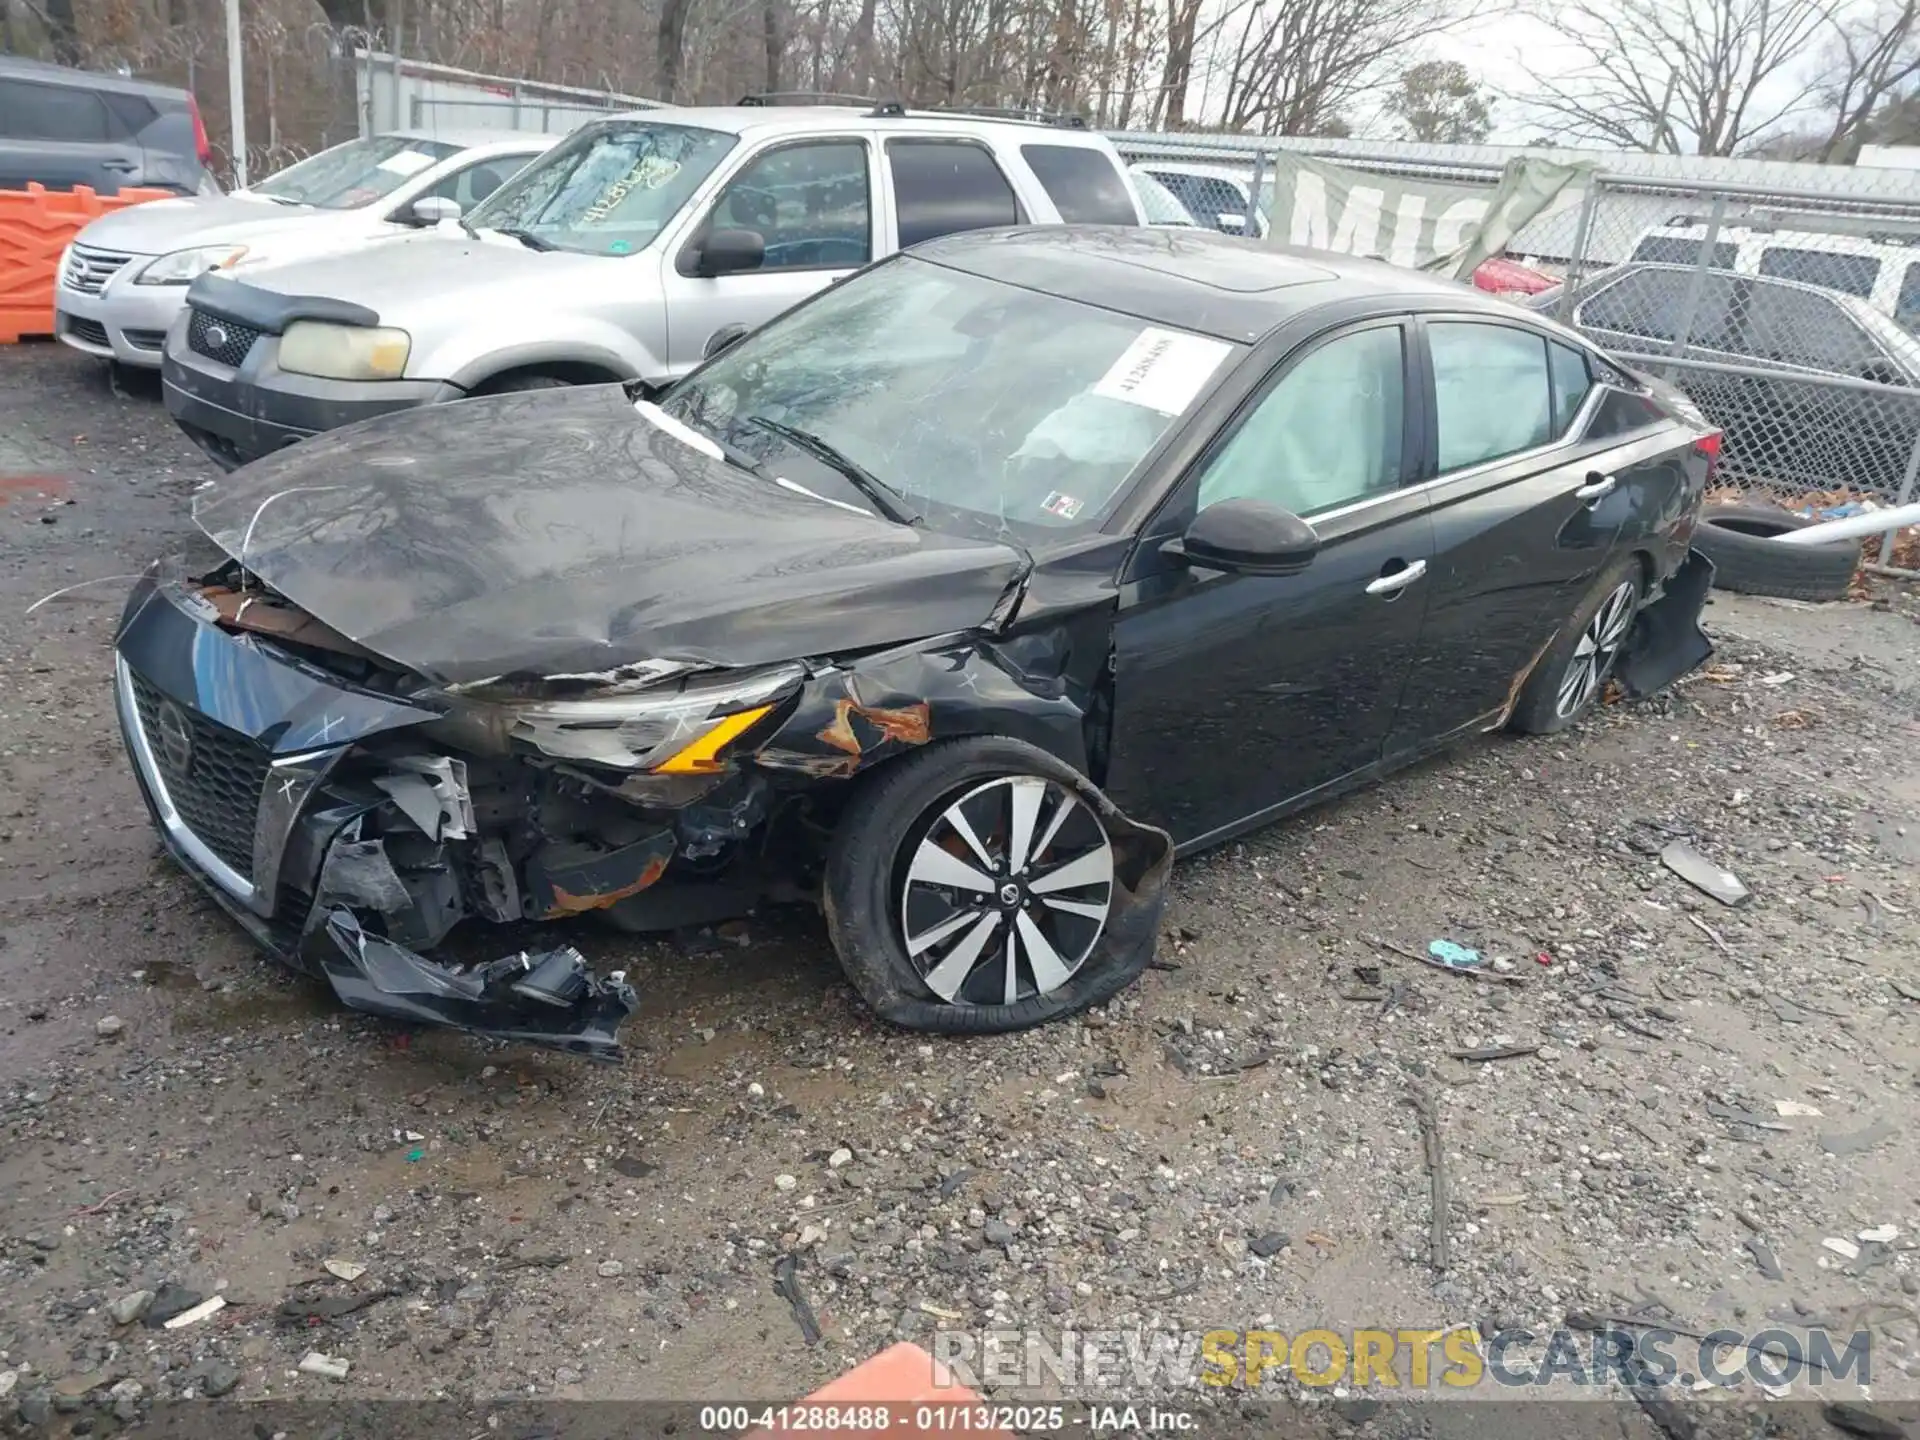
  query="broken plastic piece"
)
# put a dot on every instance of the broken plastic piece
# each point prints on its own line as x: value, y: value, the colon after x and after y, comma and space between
x: 562, y: 1004
x: 1701, y: 873
x: 210, y: 1306
x: 314, y: 1363
x: 344, y: 1269
x: 1460, y: 957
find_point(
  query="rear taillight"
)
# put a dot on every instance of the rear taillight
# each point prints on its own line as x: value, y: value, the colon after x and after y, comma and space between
x: 1709, y: 446
x: 200, y: 145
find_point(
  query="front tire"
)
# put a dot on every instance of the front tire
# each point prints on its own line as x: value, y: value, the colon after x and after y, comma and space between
x: 981, y: 886
x: 1572, y: 676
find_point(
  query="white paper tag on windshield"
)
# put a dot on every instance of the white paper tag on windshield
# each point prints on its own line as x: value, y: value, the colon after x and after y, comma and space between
x: 406, y: 162
x: 1162, y: 370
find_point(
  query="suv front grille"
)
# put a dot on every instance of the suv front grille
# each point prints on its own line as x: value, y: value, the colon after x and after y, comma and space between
x: 227, y: 341
x: 214, y: 779
x: 88, y: 269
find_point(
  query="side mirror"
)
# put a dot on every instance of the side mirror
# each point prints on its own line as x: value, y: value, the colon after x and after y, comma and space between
x: 432, y: 209
x: 1247, y: 537
x: 723, y: 338
x: 728, y: 252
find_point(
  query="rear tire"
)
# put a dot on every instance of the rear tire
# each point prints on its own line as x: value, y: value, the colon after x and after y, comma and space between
x: 890, y: 865
x: 1746, y: 561
x: 1571, y: 677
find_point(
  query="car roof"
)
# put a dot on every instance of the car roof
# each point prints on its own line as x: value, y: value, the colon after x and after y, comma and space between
x: 482, y: 139
x: 18, y: 67
x: 756, y: 119
x: 1194, y: 279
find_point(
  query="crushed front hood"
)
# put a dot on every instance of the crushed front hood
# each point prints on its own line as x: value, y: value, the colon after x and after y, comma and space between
x: 557, y: 532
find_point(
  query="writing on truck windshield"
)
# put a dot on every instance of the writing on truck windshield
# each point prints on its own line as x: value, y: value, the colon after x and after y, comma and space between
x: 609, y: 190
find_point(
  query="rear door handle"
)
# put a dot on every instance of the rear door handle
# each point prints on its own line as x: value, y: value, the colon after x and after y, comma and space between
x: 1598, y: 487
x: 1398, y: 580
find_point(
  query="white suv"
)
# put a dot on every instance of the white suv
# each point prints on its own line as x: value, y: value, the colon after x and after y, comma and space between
x: 633, y: 250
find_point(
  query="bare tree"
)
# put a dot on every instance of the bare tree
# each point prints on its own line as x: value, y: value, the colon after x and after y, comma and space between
x: 1296, y: 65
x: 1872, y: 60
x: 1707, y: 77
x: 672, y: 48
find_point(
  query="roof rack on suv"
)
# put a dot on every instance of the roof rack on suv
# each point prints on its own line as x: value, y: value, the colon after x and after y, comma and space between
x: 1065, y: 120
x: 809, y: 97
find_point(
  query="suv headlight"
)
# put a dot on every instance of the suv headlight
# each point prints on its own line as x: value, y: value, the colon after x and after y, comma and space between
x: 181, y: 266
x: 344, y: 352
x: 668, y: 731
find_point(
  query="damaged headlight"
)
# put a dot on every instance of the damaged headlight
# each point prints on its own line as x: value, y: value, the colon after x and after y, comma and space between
x: 344, y: 352
x: 671, y: 732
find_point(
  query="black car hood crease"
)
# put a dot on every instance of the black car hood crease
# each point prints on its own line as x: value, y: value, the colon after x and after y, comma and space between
x: 557, y: 532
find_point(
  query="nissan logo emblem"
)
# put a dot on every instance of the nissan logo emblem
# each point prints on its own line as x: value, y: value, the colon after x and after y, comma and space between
x: 173, y: 737
x: 216, y: 336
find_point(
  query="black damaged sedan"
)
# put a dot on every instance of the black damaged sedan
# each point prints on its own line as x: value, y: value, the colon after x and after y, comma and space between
x: 958, y: 600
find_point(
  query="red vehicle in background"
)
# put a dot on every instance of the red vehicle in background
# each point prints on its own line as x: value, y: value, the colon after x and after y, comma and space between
x: 1500, y: 276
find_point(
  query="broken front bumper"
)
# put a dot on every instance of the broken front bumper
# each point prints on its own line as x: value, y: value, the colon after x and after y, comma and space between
x: 238, y: 750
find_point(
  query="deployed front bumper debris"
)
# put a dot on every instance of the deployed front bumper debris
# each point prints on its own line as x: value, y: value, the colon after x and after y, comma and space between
x: 545, y: 997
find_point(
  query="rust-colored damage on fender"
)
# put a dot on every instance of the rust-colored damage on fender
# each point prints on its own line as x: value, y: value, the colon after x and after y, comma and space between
x: 890, y: 704
x: 910, y: 725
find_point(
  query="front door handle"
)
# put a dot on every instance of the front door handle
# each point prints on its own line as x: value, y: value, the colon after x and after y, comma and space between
x: 1598, y: 487
x: 1398, y: 580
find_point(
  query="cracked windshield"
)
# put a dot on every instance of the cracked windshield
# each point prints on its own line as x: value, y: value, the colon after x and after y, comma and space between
x: 607, y: 191
x: 933, y: 392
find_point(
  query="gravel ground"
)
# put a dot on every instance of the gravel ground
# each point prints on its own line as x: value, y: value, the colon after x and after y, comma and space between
x: 1232, y: 1144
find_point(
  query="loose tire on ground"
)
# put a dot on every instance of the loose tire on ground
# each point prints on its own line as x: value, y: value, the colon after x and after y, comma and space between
x: 1537, y: 710
x: 1738, y: 539
x: 866, y: 876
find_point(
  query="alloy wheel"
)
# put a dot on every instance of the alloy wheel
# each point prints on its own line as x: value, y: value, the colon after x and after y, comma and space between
x: 1007, y: 891
x: 1599, y: 647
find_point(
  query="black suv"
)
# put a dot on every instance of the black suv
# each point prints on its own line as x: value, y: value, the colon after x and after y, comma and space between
x: 63, y: 128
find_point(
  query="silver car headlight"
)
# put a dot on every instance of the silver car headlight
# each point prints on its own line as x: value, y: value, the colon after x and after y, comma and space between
x: 669, y: 732
x: 344, y: 352
x: 181, y: 267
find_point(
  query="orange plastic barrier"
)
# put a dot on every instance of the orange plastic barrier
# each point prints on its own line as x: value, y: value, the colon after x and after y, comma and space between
x: 35, y: 225
x: 916, y: 1390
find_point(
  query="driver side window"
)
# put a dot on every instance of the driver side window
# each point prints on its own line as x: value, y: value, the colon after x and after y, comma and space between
x: 809, y: 203
x: 1328, y: 432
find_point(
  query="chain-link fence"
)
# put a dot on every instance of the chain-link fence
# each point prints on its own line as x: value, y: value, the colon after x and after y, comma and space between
x: 1788, y: 318
x: 1787, y: 308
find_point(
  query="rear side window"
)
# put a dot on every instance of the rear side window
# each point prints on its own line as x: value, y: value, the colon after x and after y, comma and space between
x: 1678, y: 250
x: 1798, y: 328
x: 1854, y: 274
x: 1571, y: 381
x: 1652, y: 304
x: 1492, y: 394
x: 1084, y: 185
x: 942, y: 187
x: 30, y: 111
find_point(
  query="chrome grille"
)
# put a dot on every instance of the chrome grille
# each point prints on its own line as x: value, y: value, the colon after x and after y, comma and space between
x: 214, y: 779
x: 227, y: 341
x: 88, y: 269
